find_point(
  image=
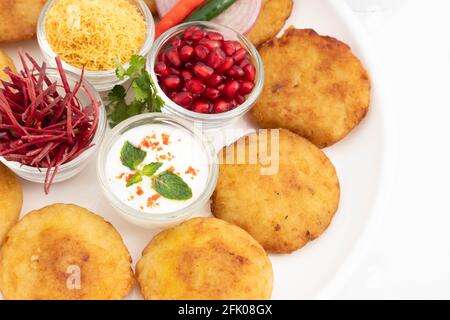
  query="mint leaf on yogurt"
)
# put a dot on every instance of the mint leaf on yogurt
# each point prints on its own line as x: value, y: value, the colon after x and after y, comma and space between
x: 171, y: 186
x: 134, y: 179
x: 131, y: 157
x: 150, y: 169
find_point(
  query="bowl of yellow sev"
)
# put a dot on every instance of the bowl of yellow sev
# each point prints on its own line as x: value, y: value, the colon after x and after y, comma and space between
x: 95, y: 36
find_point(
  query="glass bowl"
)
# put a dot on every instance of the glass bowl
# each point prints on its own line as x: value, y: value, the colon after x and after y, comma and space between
x: 69, y: 169
x: 101, y: 80
x: 157, y: 220
x: 209, y: 121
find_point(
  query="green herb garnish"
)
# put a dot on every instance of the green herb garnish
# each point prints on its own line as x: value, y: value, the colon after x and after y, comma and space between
x: 167, y: 184
x: 131, y: 157
x: 145, y: 95
x: 171, y: 186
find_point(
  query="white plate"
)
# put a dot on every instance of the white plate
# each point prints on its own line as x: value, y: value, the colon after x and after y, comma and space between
x: 362, y: 161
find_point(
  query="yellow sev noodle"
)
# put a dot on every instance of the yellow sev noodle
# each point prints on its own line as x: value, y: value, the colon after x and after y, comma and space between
x: 95, y: 33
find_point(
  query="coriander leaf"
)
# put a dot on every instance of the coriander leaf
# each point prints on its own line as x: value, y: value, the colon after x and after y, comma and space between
x: 119, y: 113
x: 117, y: 94
x: 137, y: 65
x: 155, y: 101
x: 134, y: 179
x: 120, y: 71
x: 135, y: 108
x: 150, y: 169
x: 171, y: 186
x: 131, y: 157
x: 141, y: 88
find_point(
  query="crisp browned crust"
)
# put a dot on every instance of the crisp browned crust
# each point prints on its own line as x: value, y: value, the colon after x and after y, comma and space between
x: 284, y: 211
x: 152, y: 6
x: 204, y: 258
x: 49, y: 248
x: 18, y: 19
x: 10, y: 201
x: 272, y: 18
x: 5, y: 61
x: 314, y: 87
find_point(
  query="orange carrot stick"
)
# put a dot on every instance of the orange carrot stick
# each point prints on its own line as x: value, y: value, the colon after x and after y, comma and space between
x: 177, y: 14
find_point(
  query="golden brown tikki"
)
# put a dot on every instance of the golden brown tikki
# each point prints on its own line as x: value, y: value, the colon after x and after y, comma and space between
x: 152, y: 6
x: 18, y: 19
x: 10, y: 201
x: 64, y: 252
x: 204, y: 258
x: 285, y: 196
x: 271, y: 20
x: 5, y: 61
x: 314, y: 86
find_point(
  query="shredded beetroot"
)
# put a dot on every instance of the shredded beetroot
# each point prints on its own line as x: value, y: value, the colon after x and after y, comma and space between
x: 41, y: 126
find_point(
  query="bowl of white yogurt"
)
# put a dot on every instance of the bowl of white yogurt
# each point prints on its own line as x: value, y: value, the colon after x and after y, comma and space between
x: 157, y: 170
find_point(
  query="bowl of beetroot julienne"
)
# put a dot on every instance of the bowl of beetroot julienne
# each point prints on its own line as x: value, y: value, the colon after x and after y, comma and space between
x: 206, y: 72
x: 54, y: 137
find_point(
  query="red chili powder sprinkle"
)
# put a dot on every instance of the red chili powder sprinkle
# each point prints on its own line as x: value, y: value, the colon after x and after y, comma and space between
x: 160, y: 149
x: 171, y: 169
x: 163, y: 157
x: 166, y: 138
x: 129, y: 176
x: 139, y: 191
x: 151, y: 201
x: 120, y: 176
x: 192, y: 171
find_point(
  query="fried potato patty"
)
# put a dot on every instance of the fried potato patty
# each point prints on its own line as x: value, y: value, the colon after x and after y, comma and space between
x: 285, y: 210
x: 5, y: 61
x: 314, y: 87
x: 204, y: 258
x: 64, y: 252
x: 10, y: 201
x: 18, y: 19
x: 271, y: 20
x: 152, y: 6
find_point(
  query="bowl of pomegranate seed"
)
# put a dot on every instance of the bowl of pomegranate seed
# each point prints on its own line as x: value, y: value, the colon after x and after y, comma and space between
x: 207, y: 73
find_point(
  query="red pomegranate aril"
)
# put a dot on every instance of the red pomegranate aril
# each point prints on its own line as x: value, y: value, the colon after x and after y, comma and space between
x: 237, y: 45
x: 240, y: 55
x: 215, y: 80
x: 186, y: 75
x: 250, y: 72
x: 244, y: 62
x: 210, y: 44
x: 177, y: 42
x: 231, y: 89
x: 173, y: 57
x: 189, y: 65
x: 214, y: 36
x: 183, y: 98
x: 171, y: 82
x: 198, y: 35
x: 186, y: 53
x: 161, y: 69
x: 246, y: 87
x: 236, y: 72
x: 201, y: 52
x: 195, y: 86
x: 226, y: 65
x: 212, y: 93
x: 215, y: 58
x: 240, y: 99
x: 174, y: 71
x: 221, y: 106
x: 202, y: 71
x: 202, y: 106
x: 229, y: 48
x: 187, y: 34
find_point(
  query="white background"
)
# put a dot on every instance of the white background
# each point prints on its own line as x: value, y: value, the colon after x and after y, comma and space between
x: 410, y: 256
